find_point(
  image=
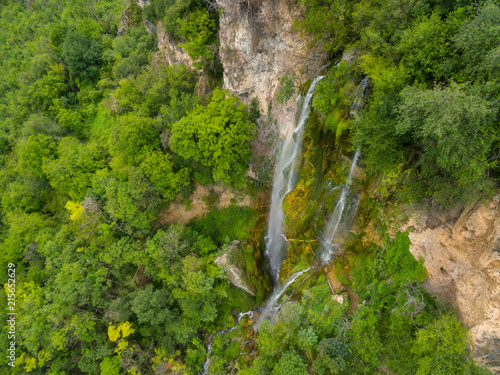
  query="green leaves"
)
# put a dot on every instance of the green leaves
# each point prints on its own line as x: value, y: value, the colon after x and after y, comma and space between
x: 23, y: 232
x: 454, y: 128
x: 158, y: 168
x: 217, y: 136
x: 82, y: 55
x: 47, y: 89
x: 332, y: 355
x: 441, y: 347
x: 327, y: 21
x: 71, y: 173
x: 290, y: 363
x: 132, y: 204
x: 199, y: 28
x: 38, y: 150
x: 427, y: 45
x: 133, y: 137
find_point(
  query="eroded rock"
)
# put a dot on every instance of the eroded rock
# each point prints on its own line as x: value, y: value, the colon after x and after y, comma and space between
x: 462, y: 257
x: 234, y: 274
x: 257, y: 46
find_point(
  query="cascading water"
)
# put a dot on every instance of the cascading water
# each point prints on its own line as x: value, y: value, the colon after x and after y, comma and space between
x: 332, y: 226
x: 284, y: 181
x: 285, y: 178
x: 271, y: 302
x: 328, y: 240
x: 359, y: 100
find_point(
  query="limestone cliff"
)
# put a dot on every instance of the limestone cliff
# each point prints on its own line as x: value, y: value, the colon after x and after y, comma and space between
x: 170, y: 52
x: 461, y: 250
x: 257, y: 46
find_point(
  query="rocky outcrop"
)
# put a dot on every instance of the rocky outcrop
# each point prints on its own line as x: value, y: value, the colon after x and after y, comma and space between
x: 257, y: 46
x: 141, y: 3
x: 461, y: 251
x: 200, y: 203
x: 234, y: 274
x: 170, y: 52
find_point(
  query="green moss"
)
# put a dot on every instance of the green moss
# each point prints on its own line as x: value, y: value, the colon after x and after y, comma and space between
x: 232, y: 350
x: 230, y: 223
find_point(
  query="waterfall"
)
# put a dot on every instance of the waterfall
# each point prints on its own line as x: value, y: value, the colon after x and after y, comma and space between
x: 359, y: 100
x: 285, y: 178
x: 332, y: 226
x: 328, y: 240
x: 271, y: 302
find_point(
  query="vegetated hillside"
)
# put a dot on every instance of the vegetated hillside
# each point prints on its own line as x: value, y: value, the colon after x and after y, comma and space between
x: 98, y: 135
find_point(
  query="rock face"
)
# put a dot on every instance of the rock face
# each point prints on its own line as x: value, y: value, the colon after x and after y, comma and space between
x: 170, y: 52
x: 234, y: 274
x: 179, y: 213
x: 257, y: 46
x: 461, y: 251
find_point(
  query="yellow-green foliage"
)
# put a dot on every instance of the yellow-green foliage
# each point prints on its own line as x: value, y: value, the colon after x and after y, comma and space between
x: 76, y: 210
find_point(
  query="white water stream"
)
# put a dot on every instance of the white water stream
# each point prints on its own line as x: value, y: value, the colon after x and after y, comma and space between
x: 284, y: 181
x: 275, y: 296
x: 329, y: 244
x: 332, y: 225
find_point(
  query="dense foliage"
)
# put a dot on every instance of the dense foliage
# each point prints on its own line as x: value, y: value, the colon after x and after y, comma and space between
x: 430, y: 124
x: 92, y: 128
x: 99, y: 136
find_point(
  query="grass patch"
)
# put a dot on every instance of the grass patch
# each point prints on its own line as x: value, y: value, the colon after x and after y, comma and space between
x: 101, y: 125
x: 227, y: 224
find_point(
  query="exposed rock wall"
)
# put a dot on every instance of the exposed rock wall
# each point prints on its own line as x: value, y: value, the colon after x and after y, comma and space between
x: 461, y: 250
x: 234, y: 274
x: 257, y: 46
x: 170, y: 52
x: 179, y: 213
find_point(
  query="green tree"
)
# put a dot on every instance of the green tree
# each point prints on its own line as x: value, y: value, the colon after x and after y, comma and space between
x: 307, y: 339
x: 426, y: 47
x: 166, y: 250
x: 365, y: 339
x: 332, y: 356
x: 454, y: 129
x: 131, y: 204
x: 47, y: 89
x: 195, y: 294
x: 24, y: 230
x: 159, y: 169
x: 199, y: 28
x: 327, y: 21
x: 27, y: 194
x: 133, y: 136
x: 290, y: 363
x: 441, y: 348
x: 82, y: 55
x: 478, y: 39
x: 35, y: 152
x: 217, y: 136
x: 154, y: 313
x: 111, y: 365
x: 71, y: 173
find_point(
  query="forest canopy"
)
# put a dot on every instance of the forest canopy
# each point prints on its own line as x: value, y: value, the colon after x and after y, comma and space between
x: 100, y: 137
